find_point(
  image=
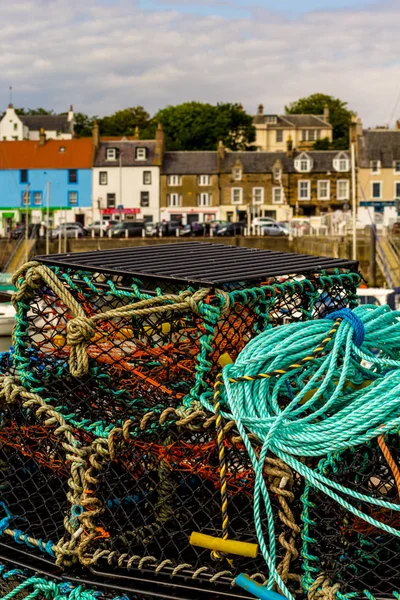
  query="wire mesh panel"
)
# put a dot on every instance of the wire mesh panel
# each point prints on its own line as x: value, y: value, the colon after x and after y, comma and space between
x: 111, y: 457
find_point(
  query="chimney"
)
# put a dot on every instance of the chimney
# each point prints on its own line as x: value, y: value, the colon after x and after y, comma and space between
x: 397, y: 124
x: 221, y: 150
x: 326, y: 113
x: 289, y: 147
x: 160, y: 145
x: 96, y: 135
x: 260, y: 109
x: 42, y: 137
x: 136, y: 135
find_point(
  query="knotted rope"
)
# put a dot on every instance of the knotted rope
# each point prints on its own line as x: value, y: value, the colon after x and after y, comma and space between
x: 303, y: 391
x: 81, y: 329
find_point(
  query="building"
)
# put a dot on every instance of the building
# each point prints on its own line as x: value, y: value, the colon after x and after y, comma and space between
x: 274, y: 131
x: 253, y: 184
x: 126, y: 177
x: 15, y: 127
x: 318, y: 182
x: 190, y: 187
x: 53, y: 175
x: 378, y: 160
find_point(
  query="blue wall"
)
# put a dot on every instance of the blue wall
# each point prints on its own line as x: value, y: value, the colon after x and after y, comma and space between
x: 11, y: 188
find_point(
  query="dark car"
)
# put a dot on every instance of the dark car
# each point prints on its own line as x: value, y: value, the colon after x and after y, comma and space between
x: 19, y: 231
x: 193, y: 229
x: 232, y: 229
x: 127, y: 229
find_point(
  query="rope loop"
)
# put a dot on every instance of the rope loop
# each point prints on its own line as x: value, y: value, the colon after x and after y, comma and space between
x: 350, y: 317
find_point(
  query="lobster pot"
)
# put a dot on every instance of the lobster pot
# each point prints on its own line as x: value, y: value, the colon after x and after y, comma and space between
x: 111, y: 461
x: 352, y: 553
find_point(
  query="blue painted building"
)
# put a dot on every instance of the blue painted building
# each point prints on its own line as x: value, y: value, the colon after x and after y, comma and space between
x: 40, y: 178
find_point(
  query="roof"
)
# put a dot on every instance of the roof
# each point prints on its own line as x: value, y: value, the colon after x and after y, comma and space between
x: 127, y: 149
x: 382, y: 145
x: 198, y: 262
x: 27, y: 154
x: 293, y: 121
x: 190, y: 163
x: 47, y: 122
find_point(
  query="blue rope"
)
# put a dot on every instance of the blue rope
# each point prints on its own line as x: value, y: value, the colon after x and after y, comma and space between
x: 350, y: 316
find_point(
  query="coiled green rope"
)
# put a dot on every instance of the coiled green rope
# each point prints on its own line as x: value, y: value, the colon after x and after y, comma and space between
x: 305, y: 391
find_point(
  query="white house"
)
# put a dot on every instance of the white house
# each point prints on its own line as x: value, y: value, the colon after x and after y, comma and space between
x: 126, y: 178
x: 27, y: 127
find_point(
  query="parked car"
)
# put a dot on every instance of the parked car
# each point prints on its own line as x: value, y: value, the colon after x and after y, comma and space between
x: 168, y: 228
x: 274, y: 229
x: 194, y: 229
x: 99, y: 226
x: 19, y: 231
x: 232, y: 229
x: 134, y: 229
x: 260, y: 221
x: 71, y: 230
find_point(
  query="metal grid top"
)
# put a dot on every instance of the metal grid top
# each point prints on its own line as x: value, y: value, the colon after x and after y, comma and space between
x: 196, y: 262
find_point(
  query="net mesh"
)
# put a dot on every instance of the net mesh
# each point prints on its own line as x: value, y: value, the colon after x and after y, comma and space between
x: 114, y: 468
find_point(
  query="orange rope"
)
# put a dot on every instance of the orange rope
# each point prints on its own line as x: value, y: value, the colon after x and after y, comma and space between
x: 390, y: 461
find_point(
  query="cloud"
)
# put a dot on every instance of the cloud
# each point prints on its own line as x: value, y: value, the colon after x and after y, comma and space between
x: 102, y: 56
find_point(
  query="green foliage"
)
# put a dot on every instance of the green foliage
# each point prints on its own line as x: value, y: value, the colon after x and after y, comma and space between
x: 200, y: 126
x: 34, y: 111
x: 124, y: 122
x: 339, y: 115
x: 323, y: 144
x: 83, y: 124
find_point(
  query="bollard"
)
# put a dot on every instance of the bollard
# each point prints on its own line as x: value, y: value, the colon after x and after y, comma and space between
x: 76, y: 234
x: 92, y: 233
x: 143, y: 232
x: 177, y: 232
x: 126, y: 234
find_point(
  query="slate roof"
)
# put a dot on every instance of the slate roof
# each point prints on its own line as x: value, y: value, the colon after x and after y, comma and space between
x: 293, y: 121
x: 47, y: 122
x: 190, y: 163
x: 198, y: 163
x: 379, y: 145
x: 54, y: 154
x: 128, y: 150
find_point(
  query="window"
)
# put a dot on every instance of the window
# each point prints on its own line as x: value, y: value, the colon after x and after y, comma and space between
x: 396, y: 166
x: 72, y: 176
x: 204, y: 180
x: 37, y: 198
x: 174, y: 180
x: 397, y: 190
x: 25, y: 198
x: 375, y: 166
x: 103, y: 178
x: 324, y: 190
x: 141, y: 153
x: 15, y: 126
x: 304, y: 190
x: 72, y: 198
x: 204, y: 199
x: 341, y: 163
x: 23, y: 176
x: 277, y: 173
x: 110, y: 200
x: 277, y: 197
x: 311, y: 135
x: 303, y: 163
x: 237, y: 195
x: 111, y: 154
x: 279, y: 135
x: 174, y: 200
x: 258, y: 195
x: 145, y: 199
x: 271, y: 119
x: 343, y: 189
x: 304, y: 135
x: 146, y: 177
x: 376, y: 189
x: 237, y: 174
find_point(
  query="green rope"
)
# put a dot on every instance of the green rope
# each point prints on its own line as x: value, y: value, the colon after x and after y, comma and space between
x: 303, y: 404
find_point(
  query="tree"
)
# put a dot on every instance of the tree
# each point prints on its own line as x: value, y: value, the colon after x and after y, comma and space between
x: 34, y: 111
x: 339, y: 115
x: 124, y: 122
x: 200, y: 126
x: 83, y: 124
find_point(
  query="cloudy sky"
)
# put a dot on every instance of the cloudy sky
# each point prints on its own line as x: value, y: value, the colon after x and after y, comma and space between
x: 102, y: 55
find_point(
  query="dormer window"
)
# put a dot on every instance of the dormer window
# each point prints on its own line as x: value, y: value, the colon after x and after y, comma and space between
x: 111, y: 154
x: 141, y: 153
x: 375, y: 166
x: 273, y: 119
x: 277, y: 173
x: 237, y: 174
x: 303, y: 163
x: 341, y: 163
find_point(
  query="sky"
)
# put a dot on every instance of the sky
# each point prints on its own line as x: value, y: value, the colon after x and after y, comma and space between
x: 104, y: 55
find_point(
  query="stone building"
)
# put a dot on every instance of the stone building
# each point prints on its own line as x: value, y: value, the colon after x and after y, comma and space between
x: 15, y: 127
x: 273, y: 132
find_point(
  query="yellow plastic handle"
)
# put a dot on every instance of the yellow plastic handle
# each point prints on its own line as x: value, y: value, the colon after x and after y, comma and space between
x: 226, y: 546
